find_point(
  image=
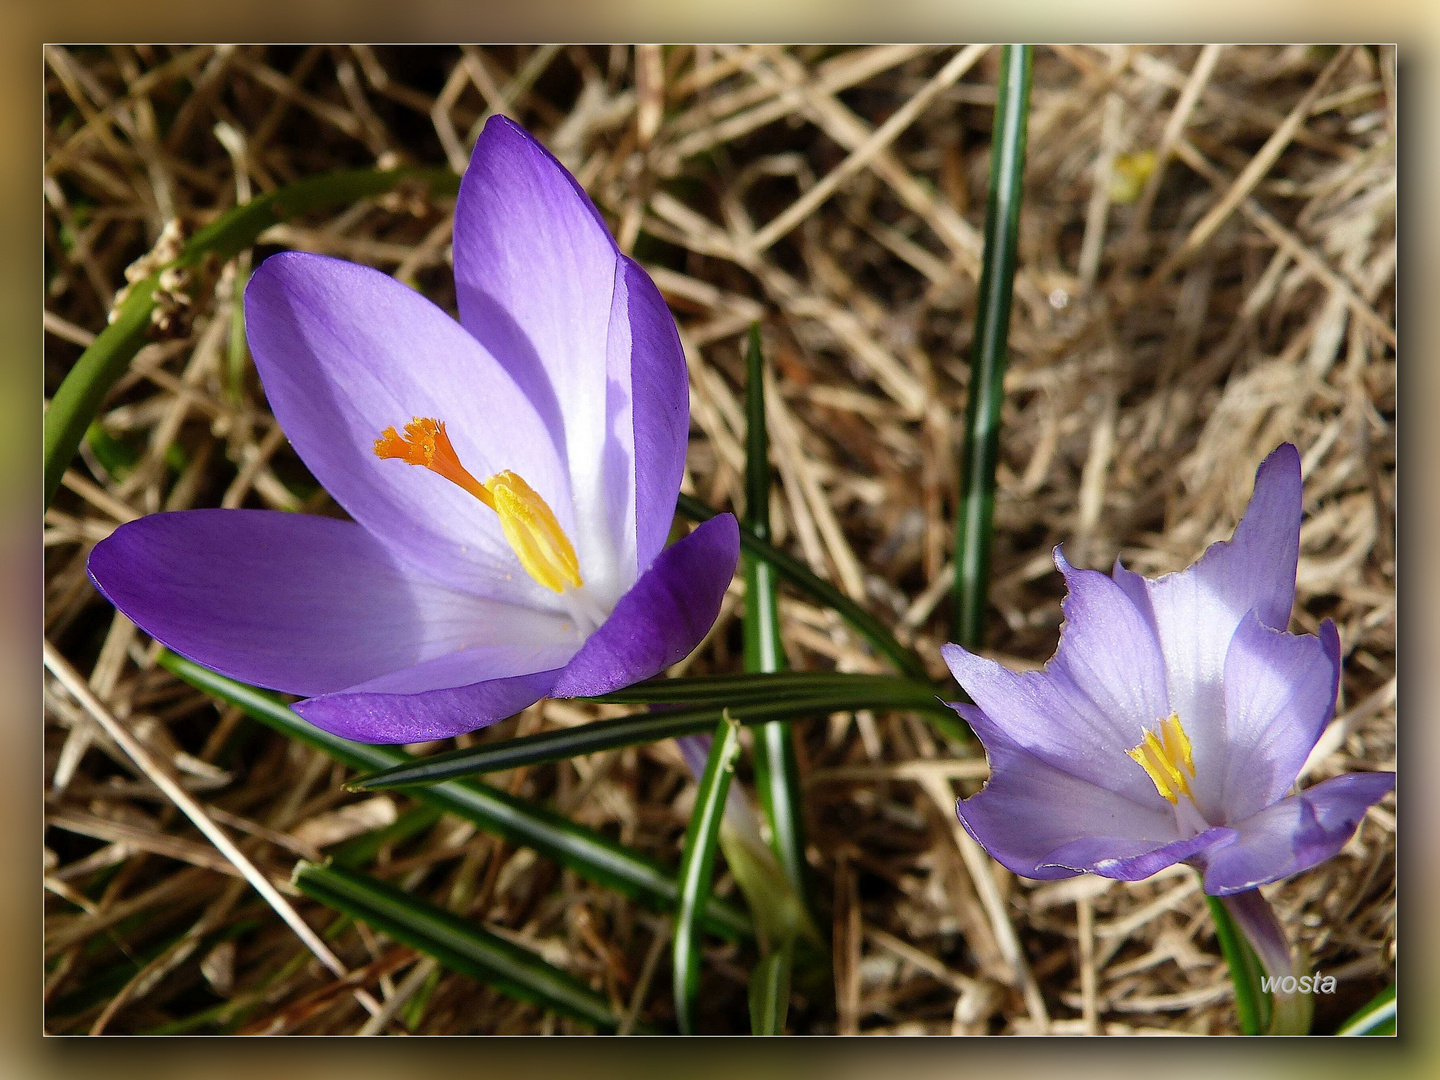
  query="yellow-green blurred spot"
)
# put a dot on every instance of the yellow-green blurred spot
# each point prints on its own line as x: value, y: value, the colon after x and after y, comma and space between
x: 1128, y: 177
x: 176, y: 457
x: 117, y: 458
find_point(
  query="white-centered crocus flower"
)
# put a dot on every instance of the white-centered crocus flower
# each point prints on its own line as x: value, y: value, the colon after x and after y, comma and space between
x: 511, y: 478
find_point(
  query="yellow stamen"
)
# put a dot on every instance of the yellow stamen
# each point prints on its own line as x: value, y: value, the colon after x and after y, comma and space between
x: 526, y: 519
x: 1163, y: 757
x: 1177, y: 743
x: 530, y: 526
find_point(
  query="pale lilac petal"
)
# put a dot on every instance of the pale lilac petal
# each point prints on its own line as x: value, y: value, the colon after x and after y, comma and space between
x: 467, y: 667
x: 292, y: 602
x: 1256, y: 920
x: 534, y: 271
x: 1296, y: 833
x: 648, y: 421
x: 1109, y: 653
x: 378, y: 717
x: 1095, y: 699
x: 1131, y: 860
x: 695, y: 749
x: 659, y: 621
x: 661, y: 406
x: 1041, y: 821
x: 541, y: 284
x: 344, y: 352
x: 1195, y: 612
x: 1279, y: 694
x: 611, y: 538
x: 739, y: 814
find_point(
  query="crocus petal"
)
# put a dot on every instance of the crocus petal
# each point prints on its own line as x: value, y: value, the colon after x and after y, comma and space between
x: 344, y: 352
x: 1279, y: 693
x: 1131, y: 860
x: 666, y: 614
x: 739, y: 814
x: 1195, y: 612
x: 541, y: 284
x: 378, y: 717
x: 661, y: 404
x: 1095, y: 699
x: 1041, y: 821
x: 1296, y: 833
x: 292, y: 602
x: 1256, y: 919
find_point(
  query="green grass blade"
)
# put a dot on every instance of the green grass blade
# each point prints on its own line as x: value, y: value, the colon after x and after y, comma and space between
x: 799, y: 575
x: 697, y: 867
x: 777, y: 778
x: 988, y: 351
x: 234, y: 231
x: 1244, y: 970
x: 363, y: 849
x: 1377, y: 1017
x: 79, y: 397
x: 722, y: 689
x: 763, y: 649
x: 525, y: 824
x: 770, y: 992
x: 632, y: 730
x: 459, y: 945
x: 83, y: 390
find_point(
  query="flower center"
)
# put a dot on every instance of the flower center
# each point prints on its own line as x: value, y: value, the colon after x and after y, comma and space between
x: 1166, y: 758
x: 526, y: 519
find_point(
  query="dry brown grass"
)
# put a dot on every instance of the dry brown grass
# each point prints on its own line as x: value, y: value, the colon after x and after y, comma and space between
x: 1161, y: 345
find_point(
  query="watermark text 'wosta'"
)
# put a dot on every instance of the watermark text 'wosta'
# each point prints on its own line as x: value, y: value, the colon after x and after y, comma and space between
x: 1305, y: 984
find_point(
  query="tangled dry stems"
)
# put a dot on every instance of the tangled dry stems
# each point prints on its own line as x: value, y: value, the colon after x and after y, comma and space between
x: 1170, y: 328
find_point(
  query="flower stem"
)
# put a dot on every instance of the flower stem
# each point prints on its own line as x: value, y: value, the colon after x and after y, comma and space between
x: 770, y: 991
x: 988, y: 350
x: 1290, y: 1012
x: 1244, y: 968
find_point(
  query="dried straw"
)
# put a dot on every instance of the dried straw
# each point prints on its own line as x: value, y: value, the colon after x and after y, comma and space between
x: 1171, y: 327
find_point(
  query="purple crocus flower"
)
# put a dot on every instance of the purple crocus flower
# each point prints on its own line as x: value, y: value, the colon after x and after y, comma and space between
x: 1172, y: 720
x: 526, y: 556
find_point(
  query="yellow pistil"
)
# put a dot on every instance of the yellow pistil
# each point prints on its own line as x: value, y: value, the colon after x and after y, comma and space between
x: 1166, y: 758
x: 525, y: 518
